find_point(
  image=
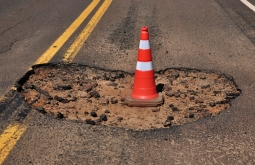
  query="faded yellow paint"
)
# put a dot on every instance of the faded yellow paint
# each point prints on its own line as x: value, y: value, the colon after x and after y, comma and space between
x: 13, y: 132
x: 9, y: 138
x: 2, y: 98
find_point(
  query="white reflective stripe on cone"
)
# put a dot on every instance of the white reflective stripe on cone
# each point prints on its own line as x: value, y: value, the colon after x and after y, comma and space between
x: 144, y: 44
x: 144, y: 66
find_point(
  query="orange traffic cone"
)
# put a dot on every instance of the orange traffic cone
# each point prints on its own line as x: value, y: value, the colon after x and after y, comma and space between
x: 144, y: 91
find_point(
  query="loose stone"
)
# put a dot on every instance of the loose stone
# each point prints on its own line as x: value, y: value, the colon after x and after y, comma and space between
x: 175, y: 108
x: 114, y: 75
x: 216, y: 92
x: 119, y: 118
x: 60, y: 115
x: 106, y: 111
x: 202, y: 106
x: 114, y: 100
x: 104, y: 101
x: 175, y: 75
x: 60, y: 99
x: 112, y: 84
x: 82, y: 94
x: 94, y: 94
x: 73, y: 99
x: 29, y: 86
x: 229, y: 97
x: 89, y: 85
x: 155, y: 110
x: 170, y: 93
x: 222, y: 101
x: 199, y: 100
x: 182, y: 96
x: 90, y: 121
x: 202, y: 76
x: 205, y: 86
x: 167, y: 123
x: 93, y: 114
x: 88, y: 100
x: 112, y: 79
x: 103, y: 117
x: 234, y: 94
x: 191, y: 115
x: 167, y: 87
x: 63, y: 86
x: 50, y: 98
x: 99, y: 120
x: 192, y: 98
x: 177, y: 94
x: 170, y: 118
x: 121, y: 75
x: 106, y: 76
x: 199, y: 110
x: 212, y: 104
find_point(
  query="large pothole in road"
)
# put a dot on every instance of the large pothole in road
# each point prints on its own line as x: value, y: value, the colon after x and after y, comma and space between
x: 97, y: 97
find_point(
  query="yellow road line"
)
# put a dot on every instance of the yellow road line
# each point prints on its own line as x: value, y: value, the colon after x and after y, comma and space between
x: 13, y: 132
x: 3, y: 97
x: 9, y: 138
x: 77, y: 44
x: 52, y: 50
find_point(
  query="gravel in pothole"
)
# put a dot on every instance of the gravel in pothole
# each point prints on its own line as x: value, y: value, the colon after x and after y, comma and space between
x: 97, y: 97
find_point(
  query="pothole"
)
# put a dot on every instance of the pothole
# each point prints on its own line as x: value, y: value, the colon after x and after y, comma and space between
x: 97, y: 97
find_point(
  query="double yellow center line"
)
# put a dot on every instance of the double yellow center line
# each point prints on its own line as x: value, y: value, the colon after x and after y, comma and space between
x: 77, y: 44
x: 14, y: 131
x: 9, y: 138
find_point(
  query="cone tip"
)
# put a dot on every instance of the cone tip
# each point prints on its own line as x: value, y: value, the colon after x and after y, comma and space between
x: 145, y: 28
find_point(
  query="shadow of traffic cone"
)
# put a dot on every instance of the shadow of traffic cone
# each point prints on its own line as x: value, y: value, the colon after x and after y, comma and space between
x: 144, y: 92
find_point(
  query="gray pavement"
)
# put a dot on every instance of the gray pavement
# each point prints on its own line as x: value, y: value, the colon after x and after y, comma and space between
x: 27, y: 29
x: 207, y: 35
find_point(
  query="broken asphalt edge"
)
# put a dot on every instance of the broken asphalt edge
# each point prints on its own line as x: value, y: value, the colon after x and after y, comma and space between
x: 14, y: 99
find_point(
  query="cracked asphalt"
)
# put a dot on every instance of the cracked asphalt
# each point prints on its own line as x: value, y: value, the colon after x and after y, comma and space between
x: 207, y: 35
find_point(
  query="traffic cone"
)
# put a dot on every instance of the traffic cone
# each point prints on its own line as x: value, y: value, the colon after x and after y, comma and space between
x: 144, y: 91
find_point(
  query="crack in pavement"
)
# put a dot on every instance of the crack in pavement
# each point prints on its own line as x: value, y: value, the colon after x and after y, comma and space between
x: 12, y: 26
x: 17, y: 23
x: 9, y: 48
x: 18, y: 40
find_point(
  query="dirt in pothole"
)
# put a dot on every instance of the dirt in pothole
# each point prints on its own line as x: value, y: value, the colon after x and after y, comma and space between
x: 97, y: 97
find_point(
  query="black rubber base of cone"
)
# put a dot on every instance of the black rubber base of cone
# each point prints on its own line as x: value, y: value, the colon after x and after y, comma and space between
x: 133, y: 102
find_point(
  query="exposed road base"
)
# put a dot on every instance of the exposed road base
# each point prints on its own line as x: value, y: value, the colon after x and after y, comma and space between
x: 97, y: 97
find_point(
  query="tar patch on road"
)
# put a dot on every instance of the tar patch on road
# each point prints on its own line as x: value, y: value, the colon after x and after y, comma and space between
x: 13, y: 107
x: 97, y: 97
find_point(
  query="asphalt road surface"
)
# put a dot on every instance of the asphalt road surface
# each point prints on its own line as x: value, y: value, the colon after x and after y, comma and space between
x: 216, y: 35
